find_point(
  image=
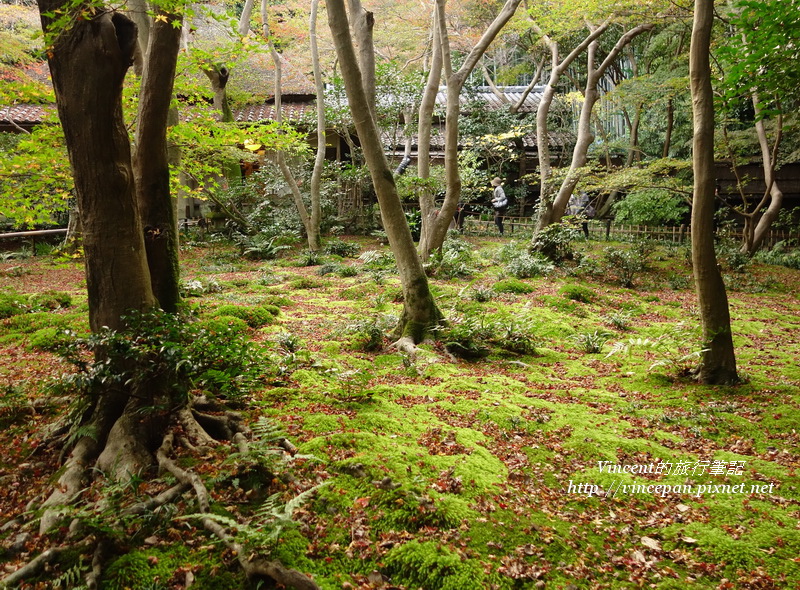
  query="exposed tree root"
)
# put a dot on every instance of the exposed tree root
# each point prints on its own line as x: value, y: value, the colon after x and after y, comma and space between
x: 34, y: 566
x: 120, y: 445
x: 406, y: 345
x: 253, y: 567
x: 70, y: 483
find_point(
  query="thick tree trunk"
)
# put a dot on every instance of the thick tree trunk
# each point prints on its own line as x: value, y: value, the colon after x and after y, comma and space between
x: 718, y: 364
x: 88, y: 63
x: 151, y: 163
x: 420, y: 312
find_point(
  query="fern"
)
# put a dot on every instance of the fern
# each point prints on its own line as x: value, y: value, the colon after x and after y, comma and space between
x: 671, y: 354
x: 72, y: 578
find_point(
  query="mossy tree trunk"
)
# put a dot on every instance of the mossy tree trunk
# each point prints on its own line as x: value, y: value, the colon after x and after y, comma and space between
x: 420, y: 313
x: 718, y: 364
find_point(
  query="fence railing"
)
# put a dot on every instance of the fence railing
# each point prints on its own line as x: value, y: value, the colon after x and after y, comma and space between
x: 608, y: 230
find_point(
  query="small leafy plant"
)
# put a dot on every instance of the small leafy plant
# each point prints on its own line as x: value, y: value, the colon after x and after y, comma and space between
x: 591, y: 342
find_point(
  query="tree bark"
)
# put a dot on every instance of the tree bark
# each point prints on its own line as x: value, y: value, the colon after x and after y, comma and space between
x: 319, y: 160
x: 88, y: 63
x: 420, y: 313
x: 436, y: 234
x: 218, y: 76
x: 557, y: 69
x: 157, y: 208
x: 762, y: 222
x: 427, y: 204
x: 718, y: 365
x: 312, y: 229
x: 585, y: 136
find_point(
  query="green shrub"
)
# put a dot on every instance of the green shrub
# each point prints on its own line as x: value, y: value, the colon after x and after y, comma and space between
x: 347, y: 271
x: 368, y: 334
x: 50, y: 300
x: 454, y: 260
x: 309, y: 258
x: 623, y: 265
x: 782, y: 254
x: 577, y: 293
x: 253, y: 316
x: 591, y: 342
x: 481, y: 293
x: 526, y: 265
x: 262, y: 247
x: 555, y: 242
x: 653, y: 207
x: 619, y: 319
x: 467, y: 337
x: 211, y: 355
x: 338, y: 247
x: 512, y: 286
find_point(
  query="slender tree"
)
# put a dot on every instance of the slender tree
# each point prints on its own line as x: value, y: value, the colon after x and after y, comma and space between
x: 420, y: 313
x: 591, y: 94
x: 433, y: 236
x: 718, y: 365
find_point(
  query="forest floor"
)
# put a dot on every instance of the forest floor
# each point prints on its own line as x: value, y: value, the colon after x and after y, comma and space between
x: 586, y: 459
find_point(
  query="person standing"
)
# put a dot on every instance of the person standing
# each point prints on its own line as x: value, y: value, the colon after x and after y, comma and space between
x: 499, y: 202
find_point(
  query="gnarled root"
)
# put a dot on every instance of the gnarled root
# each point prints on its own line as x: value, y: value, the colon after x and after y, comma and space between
x: 253, y: 566
x: 34, y: 566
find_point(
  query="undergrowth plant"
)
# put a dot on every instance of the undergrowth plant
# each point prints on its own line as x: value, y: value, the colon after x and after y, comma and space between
x: 670, y: 350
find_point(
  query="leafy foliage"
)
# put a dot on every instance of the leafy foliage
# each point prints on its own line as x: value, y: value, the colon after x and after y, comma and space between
x: 555, y: 242
x: 652, y: 207
x: 213, y: 356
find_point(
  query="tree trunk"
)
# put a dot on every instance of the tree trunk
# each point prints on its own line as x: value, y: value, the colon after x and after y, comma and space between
x: 557, y: 69
x: 718, y: 364
x: 455, y: 82
x: 773, y: 193
x: 312, y: 231
x: 427, y: 204
x: 420, y: 313
x: 585, y: 136
x: 319, y: 160
x: 151, y: 163
x: 218, y: 76
x: 88, y: 63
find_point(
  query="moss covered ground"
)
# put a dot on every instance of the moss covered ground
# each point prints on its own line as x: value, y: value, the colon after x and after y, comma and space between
x: 505, y: 471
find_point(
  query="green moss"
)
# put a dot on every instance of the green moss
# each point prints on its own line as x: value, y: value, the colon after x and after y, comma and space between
x: 432, y: 565
x: 578, y: 293
x: 50, y: 300
x: 223, y: 324
x: 253, y: 316
x: 143, y: 569
x: 512, y: 286
x: 559, y: 304
x: 49, y: 339
x: 12, y: 303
